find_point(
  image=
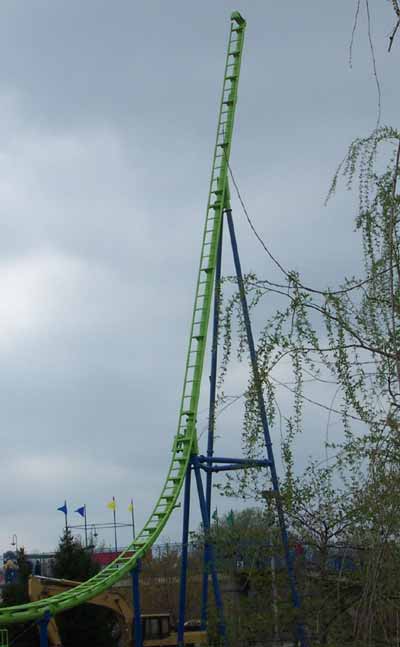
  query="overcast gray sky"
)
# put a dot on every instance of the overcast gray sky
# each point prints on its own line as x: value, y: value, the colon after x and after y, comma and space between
x: 107, y: 124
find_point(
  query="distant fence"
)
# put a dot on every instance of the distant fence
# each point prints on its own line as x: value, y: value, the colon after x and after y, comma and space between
x: 242, y: 556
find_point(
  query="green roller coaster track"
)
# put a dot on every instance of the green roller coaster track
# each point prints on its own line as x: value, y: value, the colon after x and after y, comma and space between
x: 185, y: 441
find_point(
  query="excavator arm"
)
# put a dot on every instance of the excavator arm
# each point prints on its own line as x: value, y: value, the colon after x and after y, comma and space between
x: 44, y: 587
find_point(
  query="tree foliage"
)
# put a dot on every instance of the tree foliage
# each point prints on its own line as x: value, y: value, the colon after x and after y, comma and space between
x: 86, y: 624
x: 348, y: 339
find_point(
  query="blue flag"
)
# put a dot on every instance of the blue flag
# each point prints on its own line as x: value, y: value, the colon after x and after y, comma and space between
x: 63, y: 508
x: 81, y: 511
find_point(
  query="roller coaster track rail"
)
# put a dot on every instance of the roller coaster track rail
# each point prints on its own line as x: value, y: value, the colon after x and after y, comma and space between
x: 185, y: 441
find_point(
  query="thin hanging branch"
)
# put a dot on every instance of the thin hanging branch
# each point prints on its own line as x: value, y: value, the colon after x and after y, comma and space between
x: 393, y: 34
x: 377, y: 83
x: 392, y: 253
x: 396, y: 9
x: 353, y: 33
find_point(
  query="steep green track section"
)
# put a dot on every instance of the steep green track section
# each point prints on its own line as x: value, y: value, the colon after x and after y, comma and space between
x: 185, y: 441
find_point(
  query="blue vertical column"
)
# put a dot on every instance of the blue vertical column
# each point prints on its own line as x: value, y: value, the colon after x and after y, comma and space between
x: 211, y: 422
x: 184, y: 559
x: 137, y: 617
x: 210, y: 551
x: 43, y: 633
x: 264, y: 421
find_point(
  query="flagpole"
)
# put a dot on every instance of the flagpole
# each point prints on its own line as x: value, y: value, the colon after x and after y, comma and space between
x: 133, y: 520
x: 115, y: 525
x: 64, y: 510
x: 86, y: 544
x: 66, y: 518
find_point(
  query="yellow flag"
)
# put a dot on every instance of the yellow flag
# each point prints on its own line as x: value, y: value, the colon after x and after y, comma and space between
x: 112, y: 505
x: 130, y: 507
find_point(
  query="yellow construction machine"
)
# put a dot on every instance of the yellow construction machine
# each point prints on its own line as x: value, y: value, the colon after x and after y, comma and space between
x: 157, y: 630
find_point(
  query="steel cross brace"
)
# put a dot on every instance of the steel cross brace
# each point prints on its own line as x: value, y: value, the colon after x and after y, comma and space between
x: 229, y: 464
x: 211, y: 464
x: 300, y: 632
x: 209, y: 550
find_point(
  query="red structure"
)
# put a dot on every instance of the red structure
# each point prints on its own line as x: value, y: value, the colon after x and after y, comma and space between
x: 106, y: 557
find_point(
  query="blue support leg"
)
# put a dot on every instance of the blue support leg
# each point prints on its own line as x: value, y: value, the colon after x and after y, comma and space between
x: 210, y: 551
x: 43, y: 634
x: 184, y: 560
x: 211, y: 422
x: 264, y: 421
x: 137, y: 618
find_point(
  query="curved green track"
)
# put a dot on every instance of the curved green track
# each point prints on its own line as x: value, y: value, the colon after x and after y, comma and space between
x: 185, y: 441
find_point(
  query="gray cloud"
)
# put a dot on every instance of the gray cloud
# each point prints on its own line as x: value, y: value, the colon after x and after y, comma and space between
x: 107, y: 122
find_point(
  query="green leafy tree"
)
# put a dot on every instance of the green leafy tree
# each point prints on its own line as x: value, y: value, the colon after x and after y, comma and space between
x: 344, y: 342
x: 160, y: 577
x: 253, y: 582
x: 72, y: 561
x: 86, y: 624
